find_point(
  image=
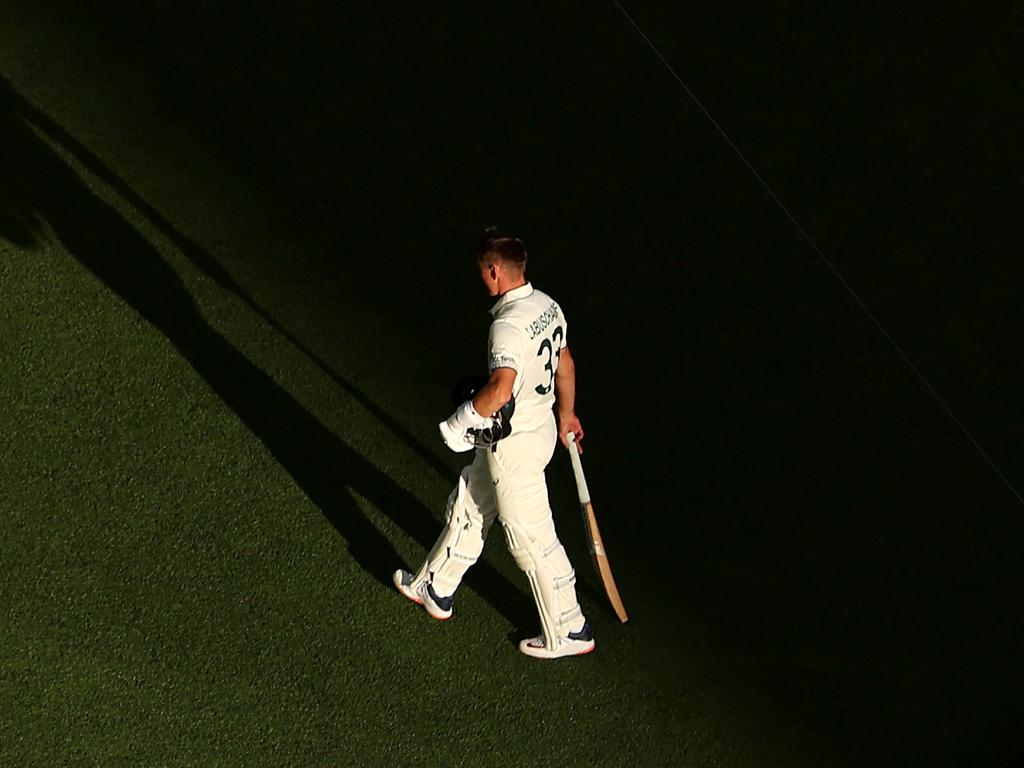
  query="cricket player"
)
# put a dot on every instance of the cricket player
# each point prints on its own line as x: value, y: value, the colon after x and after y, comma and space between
x: 531, y: 376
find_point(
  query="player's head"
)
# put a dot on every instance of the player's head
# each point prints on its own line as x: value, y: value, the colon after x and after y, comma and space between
x: 502, y: 260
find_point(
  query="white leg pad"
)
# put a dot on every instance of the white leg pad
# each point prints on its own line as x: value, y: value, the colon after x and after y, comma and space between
x: 460, y: 543
x: 552, y: 582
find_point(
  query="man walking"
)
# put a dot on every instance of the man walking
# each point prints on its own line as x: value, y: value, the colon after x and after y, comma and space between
x: 530, y: 371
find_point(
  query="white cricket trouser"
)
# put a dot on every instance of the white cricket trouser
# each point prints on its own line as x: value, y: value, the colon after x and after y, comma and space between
x: 508, y: 484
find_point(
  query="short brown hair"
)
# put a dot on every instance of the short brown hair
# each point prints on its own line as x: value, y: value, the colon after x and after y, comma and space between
x: 501, y: 245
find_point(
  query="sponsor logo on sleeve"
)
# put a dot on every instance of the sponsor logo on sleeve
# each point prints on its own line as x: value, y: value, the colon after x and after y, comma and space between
x: 502, y: 360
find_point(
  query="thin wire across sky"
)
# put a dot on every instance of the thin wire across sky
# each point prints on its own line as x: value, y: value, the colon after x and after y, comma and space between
x: 828, y: 263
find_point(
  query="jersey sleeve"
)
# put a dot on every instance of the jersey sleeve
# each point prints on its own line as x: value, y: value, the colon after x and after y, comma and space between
x: 506, y: 347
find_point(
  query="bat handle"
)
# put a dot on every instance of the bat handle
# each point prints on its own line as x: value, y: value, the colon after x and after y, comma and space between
x: 577, y: 470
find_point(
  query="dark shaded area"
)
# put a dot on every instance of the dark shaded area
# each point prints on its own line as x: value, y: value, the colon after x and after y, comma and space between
x: 22, y: 231
x: 37, y: 186
x: 845, y: 549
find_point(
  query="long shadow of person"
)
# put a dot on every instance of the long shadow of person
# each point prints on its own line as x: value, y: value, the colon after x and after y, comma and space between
x: 37, y: 186
x: 216, y: 272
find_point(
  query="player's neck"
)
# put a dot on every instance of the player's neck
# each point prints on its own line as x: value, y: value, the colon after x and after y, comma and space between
x: 504, y: 288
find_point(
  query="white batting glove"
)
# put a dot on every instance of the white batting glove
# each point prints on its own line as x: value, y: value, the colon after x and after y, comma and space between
x: 458, y: 440
x: 455, y: 429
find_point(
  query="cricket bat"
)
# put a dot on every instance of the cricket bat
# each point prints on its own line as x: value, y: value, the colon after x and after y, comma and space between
x: 597, y: 553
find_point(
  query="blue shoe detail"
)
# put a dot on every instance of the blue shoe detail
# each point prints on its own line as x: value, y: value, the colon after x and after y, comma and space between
x: 444, y: 603
x: 583, y: 634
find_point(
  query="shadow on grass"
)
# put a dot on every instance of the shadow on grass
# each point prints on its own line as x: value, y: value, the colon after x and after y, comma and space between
x: 37, y: 186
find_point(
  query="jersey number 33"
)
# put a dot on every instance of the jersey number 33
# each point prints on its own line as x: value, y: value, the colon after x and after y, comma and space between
x: 550, y: 352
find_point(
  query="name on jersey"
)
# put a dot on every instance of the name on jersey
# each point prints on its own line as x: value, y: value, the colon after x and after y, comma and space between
x: 538, y: 326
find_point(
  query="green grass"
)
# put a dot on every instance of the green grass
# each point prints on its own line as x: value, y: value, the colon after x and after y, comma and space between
x: 173, y: 598
x: 234, y: 292
x: 172, y: 595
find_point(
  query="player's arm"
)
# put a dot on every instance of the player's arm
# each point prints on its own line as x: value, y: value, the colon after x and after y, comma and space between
x: 496, y: 392
x: 565, y: 399
x: 476, y: 413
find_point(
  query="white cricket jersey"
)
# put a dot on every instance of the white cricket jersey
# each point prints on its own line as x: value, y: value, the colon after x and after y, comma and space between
x: 528, y: 334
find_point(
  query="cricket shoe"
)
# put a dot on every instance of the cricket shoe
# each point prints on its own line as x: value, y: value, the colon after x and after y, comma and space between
x: 403, y: 583
x: 438, y: 607
x: 576, y: 644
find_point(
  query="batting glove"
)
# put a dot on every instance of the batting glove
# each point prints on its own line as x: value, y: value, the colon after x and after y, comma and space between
x: 455, y: 429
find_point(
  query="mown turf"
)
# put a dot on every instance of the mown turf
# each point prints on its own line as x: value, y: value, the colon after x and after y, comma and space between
x: 173, y: 598
x: 235, y: 290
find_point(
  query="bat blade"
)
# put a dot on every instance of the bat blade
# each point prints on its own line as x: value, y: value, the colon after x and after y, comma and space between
x: 594, y: 541
x: 601, y: 564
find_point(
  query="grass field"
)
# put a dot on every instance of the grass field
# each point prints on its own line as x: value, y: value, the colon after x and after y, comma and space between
x: 236, y: 285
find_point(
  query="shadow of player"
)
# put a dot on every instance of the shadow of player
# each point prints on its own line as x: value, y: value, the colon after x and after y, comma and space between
x: 37, y: 186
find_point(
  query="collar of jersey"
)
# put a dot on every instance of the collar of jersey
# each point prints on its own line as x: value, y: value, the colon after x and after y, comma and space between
x: 522, y: 292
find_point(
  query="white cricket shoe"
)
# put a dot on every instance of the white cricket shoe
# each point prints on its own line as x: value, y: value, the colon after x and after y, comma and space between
x: 403, y: 583
x: 576, y: 644
x: 438, y: 607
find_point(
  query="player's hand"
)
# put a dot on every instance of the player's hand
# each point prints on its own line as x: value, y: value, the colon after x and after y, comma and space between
x: 455, y: 429
x: 570, y: 423
x: 455, y: 438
